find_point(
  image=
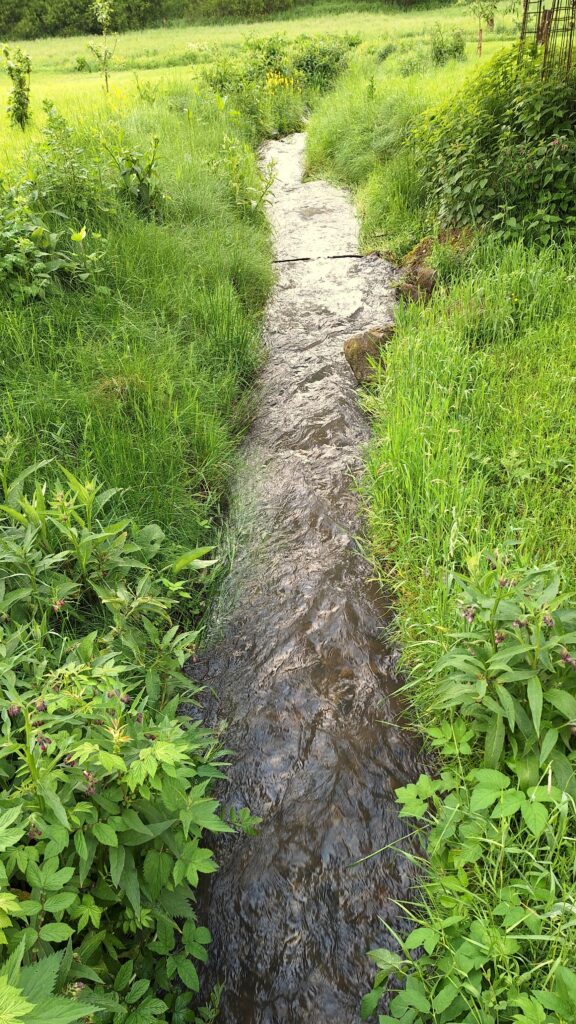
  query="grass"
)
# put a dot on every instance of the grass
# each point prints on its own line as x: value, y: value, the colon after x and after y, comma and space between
x: 143, y: 384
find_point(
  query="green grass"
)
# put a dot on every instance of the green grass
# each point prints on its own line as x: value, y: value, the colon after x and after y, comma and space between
x: 144, y: 386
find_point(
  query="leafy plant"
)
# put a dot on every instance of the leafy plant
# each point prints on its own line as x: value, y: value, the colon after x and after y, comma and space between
x: 105, y: 797
x: 138, y: 176
x: 19, y: 67
x: 495, y: 925
x: 503, y: 151
x: 446, y: 46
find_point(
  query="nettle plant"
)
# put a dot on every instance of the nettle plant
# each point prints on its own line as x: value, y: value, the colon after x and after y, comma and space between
x: 105, y: 801
x: 19, y: 67
x: 494, y: 938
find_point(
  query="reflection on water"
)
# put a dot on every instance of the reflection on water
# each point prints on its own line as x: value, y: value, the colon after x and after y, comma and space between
x: 300, y: 668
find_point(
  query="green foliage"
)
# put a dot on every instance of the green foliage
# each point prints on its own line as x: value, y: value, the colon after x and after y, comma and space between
x: 273, y: 80
x: 34, y: 258
x: 504, y: 151
x: 138, y: 174
x: 446, y: 45
x: 138, y: 376
x: 32, y: 19
x: 104, y: 804
x: 19, y: 67
x: 499, y: 824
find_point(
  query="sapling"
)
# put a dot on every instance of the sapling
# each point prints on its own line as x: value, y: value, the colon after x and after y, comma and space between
x: 103, y: 10
x: 18, y: 66
x: 484, y: 10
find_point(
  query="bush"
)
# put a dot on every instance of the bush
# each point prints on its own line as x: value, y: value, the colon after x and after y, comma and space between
x: 503, y: 151
x: 446, y: 46
x: 104, y: 803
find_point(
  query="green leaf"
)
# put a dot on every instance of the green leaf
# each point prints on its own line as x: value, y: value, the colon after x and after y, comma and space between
x: 494, y: 744
x: 56, y: 932
x: 56, y: 806
x: 188, y: 974
x: 445, y: 997
x: 369, y: 1003
x: 508, y: 804
x: 426, y: 937
x: 80, y: 844
x: 139, y: 988
x: 482, y: 798
x: 38, y: 980
x: 105, y: 834
x: 193, y: 560
x: 117, y: 857
x: 535, y: 700
x: 10, y: 836
x: 124, y: 976
x: 548, y: 743
x: 130, y: 883
x: 564, y: 702
x: 536, y: 816
x: 59, y: 902
x: 57, y: 1010
x: 13, y: 1006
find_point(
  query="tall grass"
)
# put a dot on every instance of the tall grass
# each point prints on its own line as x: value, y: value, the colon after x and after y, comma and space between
x: 143, y: 384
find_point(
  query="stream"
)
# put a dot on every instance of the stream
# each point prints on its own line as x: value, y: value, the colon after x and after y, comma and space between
x: 297, y: 660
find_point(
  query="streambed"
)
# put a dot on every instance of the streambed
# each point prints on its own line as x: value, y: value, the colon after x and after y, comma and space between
x: 297, y: 662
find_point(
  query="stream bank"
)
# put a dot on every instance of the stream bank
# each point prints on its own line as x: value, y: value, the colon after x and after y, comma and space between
x: 298, y: 662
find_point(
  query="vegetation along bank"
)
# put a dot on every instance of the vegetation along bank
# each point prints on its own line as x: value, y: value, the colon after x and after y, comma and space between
x: 470, y: 500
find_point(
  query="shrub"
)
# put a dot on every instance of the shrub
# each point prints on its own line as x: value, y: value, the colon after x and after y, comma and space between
x: 446, y: 46
x: 496, y: 922
x: 104, y: 803
x: 504, y: 151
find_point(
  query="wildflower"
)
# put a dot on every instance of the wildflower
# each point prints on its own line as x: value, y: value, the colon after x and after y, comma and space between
x: 41, y: 705
x: 58, y: 605
x: 548, y: 621
x: 504, y: 583
x: 43, y: 742
x: 34, y: 833
x: 139, y: 718
x: 499, y: 638
x: 126, y: 699
x: 469, y: 614
x: 14, y: 711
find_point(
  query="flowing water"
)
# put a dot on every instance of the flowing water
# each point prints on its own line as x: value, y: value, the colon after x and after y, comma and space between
x: 299, y: 666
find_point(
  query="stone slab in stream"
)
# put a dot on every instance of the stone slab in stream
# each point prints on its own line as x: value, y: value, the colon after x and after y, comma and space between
x: 298, y: 660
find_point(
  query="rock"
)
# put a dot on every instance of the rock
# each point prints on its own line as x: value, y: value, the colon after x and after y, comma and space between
x: 362, y: 349
x: 417, y: 285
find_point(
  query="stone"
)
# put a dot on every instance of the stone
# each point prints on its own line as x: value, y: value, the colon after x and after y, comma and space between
x: 417, y: 285
x: 361, y: 350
